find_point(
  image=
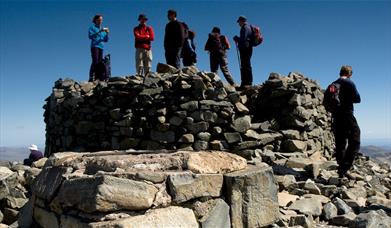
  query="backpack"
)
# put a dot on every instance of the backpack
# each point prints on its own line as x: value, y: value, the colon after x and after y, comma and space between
x: 103, y: 69
x: 331, y: 100
x: 218, y: 45
x: 256, y: 37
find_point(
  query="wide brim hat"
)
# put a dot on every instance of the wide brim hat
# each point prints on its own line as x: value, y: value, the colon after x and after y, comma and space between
x: 33, y: 147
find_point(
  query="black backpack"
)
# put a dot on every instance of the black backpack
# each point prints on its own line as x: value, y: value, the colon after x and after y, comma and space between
x: 331, y: 100
x: 103, y: 69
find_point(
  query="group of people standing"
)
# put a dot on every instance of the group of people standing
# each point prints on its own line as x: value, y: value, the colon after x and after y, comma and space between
x: 178, y: 44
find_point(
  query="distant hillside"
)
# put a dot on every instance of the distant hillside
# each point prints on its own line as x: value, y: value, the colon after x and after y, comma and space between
x: 13, y: 153
x: 381, y: 153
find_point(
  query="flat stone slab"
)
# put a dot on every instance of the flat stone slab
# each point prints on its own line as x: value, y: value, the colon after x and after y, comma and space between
x: 104, y: 194
x: 186, y: 186
x: 165, y: 217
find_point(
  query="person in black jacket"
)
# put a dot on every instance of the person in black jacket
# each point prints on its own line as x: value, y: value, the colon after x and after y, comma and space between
x: 188, y: 53
x: 217, y: 46
x: 345, y: 127
x: 245, y: 50
x: 173, y: 39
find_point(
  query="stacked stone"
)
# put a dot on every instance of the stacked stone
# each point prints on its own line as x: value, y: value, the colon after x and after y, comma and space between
x: 189, y: 110
x: 15, y: 184
x: 152, y: 189
x: 293, y: 106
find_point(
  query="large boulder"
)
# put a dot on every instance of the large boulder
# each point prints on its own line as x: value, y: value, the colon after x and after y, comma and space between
x: 105, y: 193
x: 252, y: 196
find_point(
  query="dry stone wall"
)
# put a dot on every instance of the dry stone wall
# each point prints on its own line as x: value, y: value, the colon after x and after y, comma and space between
x: 190, y: 110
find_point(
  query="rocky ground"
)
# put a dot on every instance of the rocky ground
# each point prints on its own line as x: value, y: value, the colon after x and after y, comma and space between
x: 191, y: 189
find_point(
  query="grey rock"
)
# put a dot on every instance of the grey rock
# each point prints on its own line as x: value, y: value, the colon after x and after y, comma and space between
x: 343, y: 220
x: 204, y: 136
x: 200, y: 145
x: 186, y: 186
x: 104, y: 194
x: 252, y: 196
x: 45, y: 218
x: 294, y: 145
x: 232, y: 137
x: 218, y: 216
x: 371, y: 219
x: 165, y: 68
x: 164, y: 217
x: 307, y: 206
x: 329, y: 211
x: 198, y: 127
x: 190, y: 106
x: 301, y: 220
x: 186, y: 138
x: 242, y: 124
x: 342, y: 207
x: 48, y: 181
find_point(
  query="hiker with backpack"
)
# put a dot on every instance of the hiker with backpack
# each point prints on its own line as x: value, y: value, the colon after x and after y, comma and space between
x: 217, y: 46
x: 250, y: 36
x: 188, y: 54
x: 143, y: 36
x: 338, y: 99
x: 98, y: 35
x: 174, y: 38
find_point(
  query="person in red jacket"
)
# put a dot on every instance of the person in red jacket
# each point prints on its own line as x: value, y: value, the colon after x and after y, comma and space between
x: 143, y: 36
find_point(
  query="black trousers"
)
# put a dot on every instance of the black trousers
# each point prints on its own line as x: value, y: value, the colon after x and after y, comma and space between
x: 96, y: 56
x: 347, y: 140
x: 218, y: 59
x: 245, y: 63
x: 173, y: 57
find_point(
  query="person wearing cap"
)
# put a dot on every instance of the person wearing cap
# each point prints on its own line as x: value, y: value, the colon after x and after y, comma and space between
x: 345, y: 127
x: 35, y: 155
x: 98, y: 36
x: 245, y: 51
x: 174, y: 39
x: 143, y: 36
x: 217, y: 46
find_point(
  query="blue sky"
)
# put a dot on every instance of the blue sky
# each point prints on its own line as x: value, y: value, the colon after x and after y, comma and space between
x: 41, y: 41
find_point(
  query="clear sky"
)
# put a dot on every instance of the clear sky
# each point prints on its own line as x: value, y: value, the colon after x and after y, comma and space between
x: 41, y: 41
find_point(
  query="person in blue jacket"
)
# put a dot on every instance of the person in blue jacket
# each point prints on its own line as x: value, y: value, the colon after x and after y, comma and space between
x: 245, y: 50
x: 98, y: 36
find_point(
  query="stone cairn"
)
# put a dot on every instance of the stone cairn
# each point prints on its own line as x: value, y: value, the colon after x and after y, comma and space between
x: 181, y: 149
x: 188, y: 110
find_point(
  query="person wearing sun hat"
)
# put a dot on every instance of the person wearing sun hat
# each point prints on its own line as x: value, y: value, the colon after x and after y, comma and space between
x: 35, y: 155
x: 143, y: 37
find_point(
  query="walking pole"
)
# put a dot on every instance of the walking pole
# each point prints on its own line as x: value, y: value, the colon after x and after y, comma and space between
x: 237, y: 53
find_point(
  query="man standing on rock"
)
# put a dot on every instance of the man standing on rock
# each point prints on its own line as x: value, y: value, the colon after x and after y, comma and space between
x: 217, y: 46
x: 245, y: 50
x: 97, y: 35
x: 143, y: 36
x: 345, y: 127
x: 173, y: 39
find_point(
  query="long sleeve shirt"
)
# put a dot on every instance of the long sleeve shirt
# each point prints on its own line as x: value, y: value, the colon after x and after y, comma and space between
x: 348, y: 94
x: 245, y: 36
x: 143, y: 36
x: 174, y: 36
x: 97, y: 36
